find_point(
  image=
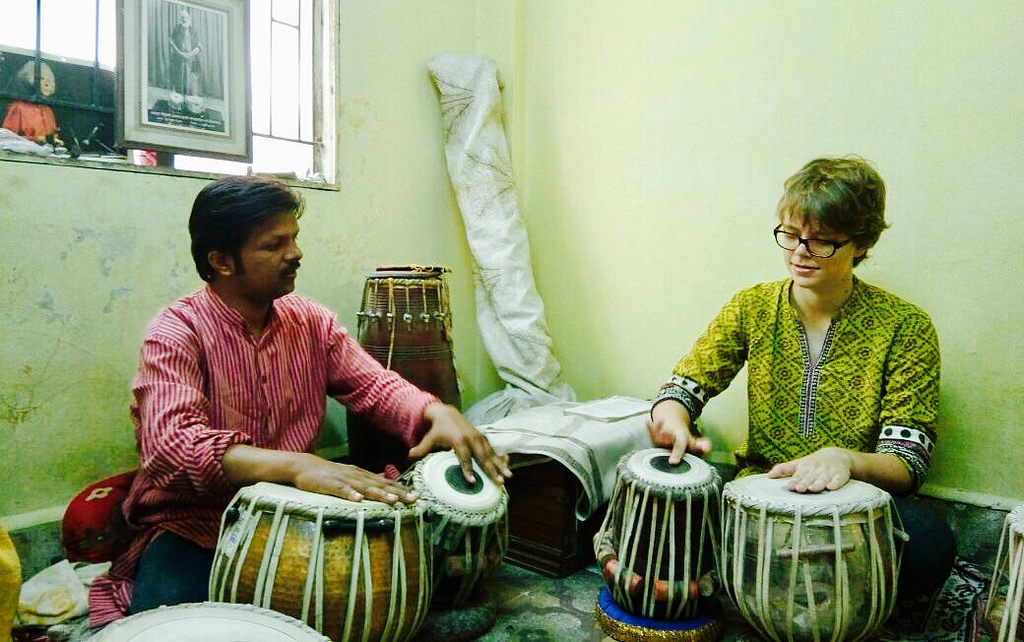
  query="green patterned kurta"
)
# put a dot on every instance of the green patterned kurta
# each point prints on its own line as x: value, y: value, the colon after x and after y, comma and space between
x: 875, y: 386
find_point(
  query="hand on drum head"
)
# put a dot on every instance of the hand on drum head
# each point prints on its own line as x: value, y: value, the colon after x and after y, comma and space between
x: 670, y: 431
x: 449, y: 429
x: 351, y: 483
x: 827, y: 468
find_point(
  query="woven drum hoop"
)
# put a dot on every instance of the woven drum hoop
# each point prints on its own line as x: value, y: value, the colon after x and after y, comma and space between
x: 480, y: 509
x: 209, y: 622
x: 701, y: 479
x: 629, y: 632
x: 761, y: 491
x: 301, y: 503
x: 1015, y: 521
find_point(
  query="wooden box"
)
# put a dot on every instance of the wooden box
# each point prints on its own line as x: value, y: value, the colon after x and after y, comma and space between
x: 544, y: 534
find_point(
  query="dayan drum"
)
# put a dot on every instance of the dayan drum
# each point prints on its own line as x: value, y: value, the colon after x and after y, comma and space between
x: 469, y: 525
x: 351, y: 570
x: 658, y: 543
x: 404, y: 323
x: 208, y: 622
x: 1003, y: 610
x: 809, y: 566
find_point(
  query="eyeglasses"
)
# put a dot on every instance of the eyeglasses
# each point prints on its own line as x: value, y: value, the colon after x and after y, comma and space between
x: 820, y: 248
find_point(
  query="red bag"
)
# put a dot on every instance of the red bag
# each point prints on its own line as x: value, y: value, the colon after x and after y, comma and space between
x: 94, y: 528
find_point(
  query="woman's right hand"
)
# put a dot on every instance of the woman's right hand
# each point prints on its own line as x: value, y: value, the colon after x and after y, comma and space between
x: 669, y: 427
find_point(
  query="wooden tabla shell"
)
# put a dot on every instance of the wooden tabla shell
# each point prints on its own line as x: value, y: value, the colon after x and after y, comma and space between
x: 1003, y: 609
x: 208, y: 622
x: 658, y: 543
x: 469, y: 525
x: 405, y: 324
x: 350, y: 570
x: 843, y: 583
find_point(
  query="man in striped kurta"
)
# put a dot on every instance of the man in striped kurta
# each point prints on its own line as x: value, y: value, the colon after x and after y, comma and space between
x: 230, y: 391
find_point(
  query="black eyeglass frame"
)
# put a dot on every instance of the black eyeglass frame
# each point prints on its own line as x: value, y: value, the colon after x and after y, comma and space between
x: 835, y: 245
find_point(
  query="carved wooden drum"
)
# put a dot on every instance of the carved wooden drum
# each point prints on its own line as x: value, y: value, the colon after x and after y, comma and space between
x: 405, y: 324
x: 469, y: 525
x: 809, y: 566
x: 1003, y: 611
x: 658, y: 543
x: 208, y: 622
x: 351, y: 570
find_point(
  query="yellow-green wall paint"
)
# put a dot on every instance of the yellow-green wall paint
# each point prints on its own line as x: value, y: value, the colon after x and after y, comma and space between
x: 650, y: 140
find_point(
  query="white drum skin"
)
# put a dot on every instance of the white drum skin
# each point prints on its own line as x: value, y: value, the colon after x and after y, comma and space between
x: 208, y: 622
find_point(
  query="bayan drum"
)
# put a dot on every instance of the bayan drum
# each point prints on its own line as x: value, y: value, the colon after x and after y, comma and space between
x: 208, y: 622
x: 351, y: 570
x: 469, y: 525
x: 405, y: 324
x: 809, y: 566
x: 658, y: 543
x: 1003, y: 611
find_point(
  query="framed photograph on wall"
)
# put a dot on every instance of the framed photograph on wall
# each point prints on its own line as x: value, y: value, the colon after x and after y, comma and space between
x: 183, y: 67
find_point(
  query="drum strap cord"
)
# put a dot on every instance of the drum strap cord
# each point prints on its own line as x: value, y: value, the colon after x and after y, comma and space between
x: 1009, y: 559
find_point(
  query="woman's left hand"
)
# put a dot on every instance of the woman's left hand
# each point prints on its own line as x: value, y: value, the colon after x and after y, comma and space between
x: 449, y: 429
x: 827, y: 468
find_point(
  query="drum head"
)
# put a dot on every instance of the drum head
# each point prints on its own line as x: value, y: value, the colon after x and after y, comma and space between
x: 651, y: 468
x: 764, y: 491
x: 439, y: 478
x: 267, y: 495
x: 209, y: 622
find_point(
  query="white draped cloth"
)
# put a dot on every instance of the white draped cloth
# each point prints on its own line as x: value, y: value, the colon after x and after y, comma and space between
x: 581, y: 436
x: 510, y: 313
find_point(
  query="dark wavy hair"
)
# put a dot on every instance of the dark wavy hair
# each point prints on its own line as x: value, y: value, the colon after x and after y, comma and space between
x: 225, y: 212
x: 843, y: 195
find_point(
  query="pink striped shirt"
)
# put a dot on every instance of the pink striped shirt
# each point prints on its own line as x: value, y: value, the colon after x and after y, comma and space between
x: 205, y: 383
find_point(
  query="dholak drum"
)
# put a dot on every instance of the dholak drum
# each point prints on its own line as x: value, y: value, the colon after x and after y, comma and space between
x: 658, y: 543
x: 351, y: 570
x: 208, y: 622
x: 809, y: 566
x: 469, y: 525
x: 405, y: 324
x: 1003, y: 613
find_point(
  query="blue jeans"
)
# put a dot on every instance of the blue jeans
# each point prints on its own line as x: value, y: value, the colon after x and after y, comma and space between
x: 172, y: 570
x: 929, y: 555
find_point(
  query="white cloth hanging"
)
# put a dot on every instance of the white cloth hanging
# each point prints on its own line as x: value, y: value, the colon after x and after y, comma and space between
x: 510, y: 313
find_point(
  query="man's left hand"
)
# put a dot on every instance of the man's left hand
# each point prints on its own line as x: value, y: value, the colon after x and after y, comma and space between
x: 449, y: 429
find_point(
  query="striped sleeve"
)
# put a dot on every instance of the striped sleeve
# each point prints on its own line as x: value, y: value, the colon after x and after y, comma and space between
x: 178, y: 450
x: 364, y: 386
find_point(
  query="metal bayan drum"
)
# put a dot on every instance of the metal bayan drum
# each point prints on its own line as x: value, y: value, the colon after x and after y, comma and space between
x: 208, y: 622
x: 405, y: 324
x: 658, y: 542
x: 351, y: 570
x: 809, y: 566
x: 1003, y: 610
x: 469, y: 525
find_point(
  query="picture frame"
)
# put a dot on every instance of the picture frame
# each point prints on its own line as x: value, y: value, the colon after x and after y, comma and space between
x: 183, y: 70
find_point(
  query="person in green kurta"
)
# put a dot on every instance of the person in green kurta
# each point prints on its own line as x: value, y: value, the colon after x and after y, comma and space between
x: 843, y: 377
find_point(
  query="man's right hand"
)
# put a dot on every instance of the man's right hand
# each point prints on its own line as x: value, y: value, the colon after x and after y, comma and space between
x: 669, y: 427
x: 244, y: 464
x: 351, y: 483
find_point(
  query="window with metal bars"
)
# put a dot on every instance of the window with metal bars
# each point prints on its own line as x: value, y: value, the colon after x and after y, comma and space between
x: 72, y: 44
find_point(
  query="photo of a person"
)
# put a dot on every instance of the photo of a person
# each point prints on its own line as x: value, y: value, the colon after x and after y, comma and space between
x: 185, y: 49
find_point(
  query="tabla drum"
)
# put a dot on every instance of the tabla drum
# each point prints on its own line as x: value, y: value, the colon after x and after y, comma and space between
x: 208, y: 622
x: 351, y: 570
x: 1003, y: 613
x: 469, y: 525
x: 659, y: 539
x: 809, y: 566
x: 405, y: 323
